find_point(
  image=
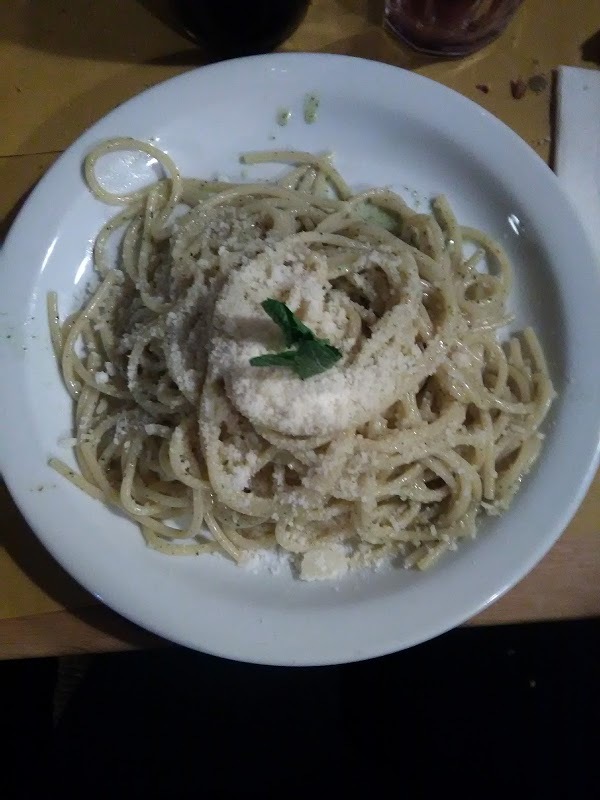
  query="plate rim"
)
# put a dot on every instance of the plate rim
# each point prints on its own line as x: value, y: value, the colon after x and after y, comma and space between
x: 20, y: 496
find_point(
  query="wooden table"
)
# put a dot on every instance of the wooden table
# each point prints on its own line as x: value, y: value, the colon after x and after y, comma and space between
x: 65, y: 64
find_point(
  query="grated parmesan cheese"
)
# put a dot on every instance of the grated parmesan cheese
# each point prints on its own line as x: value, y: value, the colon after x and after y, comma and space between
x: 102, y: 407
x: 324, y: 563
x: 343, y: 397
x: 273, y: 561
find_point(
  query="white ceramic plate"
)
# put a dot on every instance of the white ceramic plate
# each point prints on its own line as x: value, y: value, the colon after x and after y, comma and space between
x: 386, y: 127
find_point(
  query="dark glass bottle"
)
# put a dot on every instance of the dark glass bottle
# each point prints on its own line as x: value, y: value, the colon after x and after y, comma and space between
x: 229, y: 28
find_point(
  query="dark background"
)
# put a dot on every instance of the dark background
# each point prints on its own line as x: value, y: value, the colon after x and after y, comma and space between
x: 491, y: 712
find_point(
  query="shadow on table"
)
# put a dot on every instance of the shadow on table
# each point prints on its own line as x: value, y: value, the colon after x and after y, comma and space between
x: 116, y: 632
x: 111, y: 30
x: 33, y: 559
x: 128, y: 31
x: 143, y: 36
x: 5, y: 225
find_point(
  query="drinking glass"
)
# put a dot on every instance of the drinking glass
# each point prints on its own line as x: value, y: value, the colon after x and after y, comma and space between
x: 448, y: 27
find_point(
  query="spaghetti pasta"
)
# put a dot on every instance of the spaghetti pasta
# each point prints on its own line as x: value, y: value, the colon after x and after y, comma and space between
x: 425, y: 422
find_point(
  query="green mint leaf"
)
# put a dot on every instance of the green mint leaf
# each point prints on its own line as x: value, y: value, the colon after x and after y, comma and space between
x: 285, y: 359
x: 293, y: 330
x: 315, y: 357
x: 311, y: 356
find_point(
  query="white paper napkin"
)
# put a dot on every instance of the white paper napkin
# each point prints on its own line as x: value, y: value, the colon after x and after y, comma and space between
x: 577, y: 153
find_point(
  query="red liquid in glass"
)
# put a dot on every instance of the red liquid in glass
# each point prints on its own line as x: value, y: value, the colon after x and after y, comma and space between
x: 449, y: 27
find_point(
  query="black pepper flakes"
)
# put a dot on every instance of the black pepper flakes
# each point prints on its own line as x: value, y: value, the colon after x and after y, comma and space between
x: 483, y: 87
